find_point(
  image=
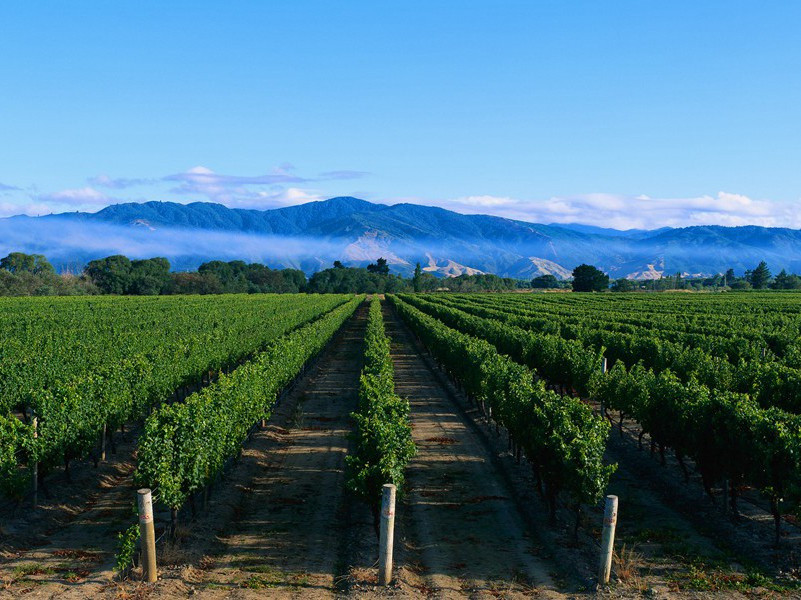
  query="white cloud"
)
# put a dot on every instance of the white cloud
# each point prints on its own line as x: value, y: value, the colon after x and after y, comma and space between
x: 118, y: 183
x: 78, y: 197
x: 636, y: 212
x: 274, y: 199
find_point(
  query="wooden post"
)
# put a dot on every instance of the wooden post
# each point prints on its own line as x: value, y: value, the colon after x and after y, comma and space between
x: 147, y: 533
x: 608, y: 539
x: 103, y: 443
x: 387, y: 534
x: 35, y: 483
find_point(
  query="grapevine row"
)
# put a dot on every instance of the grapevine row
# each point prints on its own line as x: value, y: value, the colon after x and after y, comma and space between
x: 382, y: 438
x: 73, y: 403
x: 185, y: 446
x: 560, y: 436
x: 728, y: 435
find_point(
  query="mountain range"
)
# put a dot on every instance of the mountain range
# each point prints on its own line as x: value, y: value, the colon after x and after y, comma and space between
x: 311, y: 236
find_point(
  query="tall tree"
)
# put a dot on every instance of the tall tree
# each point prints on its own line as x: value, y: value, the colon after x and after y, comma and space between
x: 587, y: 278
x: 416, y: 281
x: 760, y: 276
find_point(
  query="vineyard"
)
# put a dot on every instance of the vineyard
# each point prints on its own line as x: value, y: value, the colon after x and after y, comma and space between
x: 266, y: 426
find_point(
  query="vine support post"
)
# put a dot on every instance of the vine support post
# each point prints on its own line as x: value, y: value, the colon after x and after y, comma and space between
x: 147, y: 533
x: 608, y: 539
x: 35, y: 482
x: 103, y: 443
x: 387, y: 534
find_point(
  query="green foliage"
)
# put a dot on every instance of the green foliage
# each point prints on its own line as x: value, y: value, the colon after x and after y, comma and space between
x: 348, y: 280
x: 545, y: 282
x: 185, y: 445
x: 728, y: 402
x: 111, y: 274
x: 80, y: 364
x: 561, y: 437
x: 382, y: 439
x: 587, y: 278
x: 380, y: 267
x: 16, y: 447
x: 759, y: 277
x: 623, y: 285
x: 17, y: 262
x: 127, y: 545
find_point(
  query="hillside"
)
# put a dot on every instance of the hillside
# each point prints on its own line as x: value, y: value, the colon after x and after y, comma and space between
x: 311, y: 236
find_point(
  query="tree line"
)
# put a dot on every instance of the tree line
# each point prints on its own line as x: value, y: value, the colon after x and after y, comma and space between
x: 588, y: 278
x: 32, y: 275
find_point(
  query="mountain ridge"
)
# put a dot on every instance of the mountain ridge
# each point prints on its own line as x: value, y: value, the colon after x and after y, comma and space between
x: 312, y: 235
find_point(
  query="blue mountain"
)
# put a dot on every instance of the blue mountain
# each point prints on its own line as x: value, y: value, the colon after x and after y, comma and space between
x: 311, y: 236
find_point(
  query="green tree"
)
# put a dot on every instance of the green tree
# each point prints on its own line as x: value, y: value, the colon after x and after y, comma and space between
x: 149, y: 277
x: 380, y: 267
x: 786, y: 281
x: 18, y: 262
x: 729, y: 277
x: 623, y: 285
x: 545, y: 282
x: 111, y: 274
x: 760, y: 276
x: 418, y: 272
x: 338, y: 264
x: 587, y: 278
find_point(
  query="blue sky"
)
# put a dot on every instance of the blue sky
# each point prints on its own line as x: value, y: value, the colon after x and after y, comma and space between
x: 625, y: 114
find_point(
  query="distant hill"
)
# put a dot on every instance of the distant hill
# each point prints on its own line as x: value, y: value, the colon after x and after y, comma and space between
x: 311, y: 236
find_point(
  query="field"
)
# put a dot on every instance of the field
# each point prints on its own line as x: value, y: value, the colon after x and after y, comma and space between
x: 266, y: 424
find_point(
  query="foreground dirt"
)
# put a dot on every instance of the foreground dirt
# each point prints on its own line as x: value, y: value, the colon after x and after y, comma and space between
x: 464, y: 535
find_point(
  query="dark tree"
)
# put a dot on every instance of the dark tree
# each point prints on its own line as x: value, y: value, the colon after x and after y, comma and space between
x: 111, y: 274
x: 380, y: 267
x: 623, y: 285
x: 416, y: 281
x: 729, y: 277
x: 587, y: 278
x: 338, y: 264
x: 545, y: 282
x: 149, y: 277
x: 760, y: 276
x: 18, y: 262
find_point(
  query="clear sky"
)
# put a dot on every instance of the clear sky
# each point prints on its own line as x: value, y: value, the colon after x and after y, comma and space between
x: 617, y: 113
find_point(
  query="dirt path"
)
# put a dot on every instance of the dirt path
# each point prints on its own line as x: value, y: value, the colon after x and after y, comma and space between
x: 465, y: 535
x: 277, y: 522
x: 285, y: 532
x: 69, y: 540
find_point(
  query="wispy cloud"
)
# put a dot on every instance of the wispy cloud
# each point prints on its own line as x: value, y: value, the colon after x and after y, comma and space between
x: 620, y: 211
x: 85, y: 196
x: 203, y: 176
x: 264, y: 200
x: 120, y: 183
x: 7, y: 188
x: 249, y: 191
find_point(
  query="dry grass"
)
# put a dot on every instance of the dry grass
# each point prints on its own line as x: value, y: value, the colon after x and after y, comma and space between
x: 627, y: 565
